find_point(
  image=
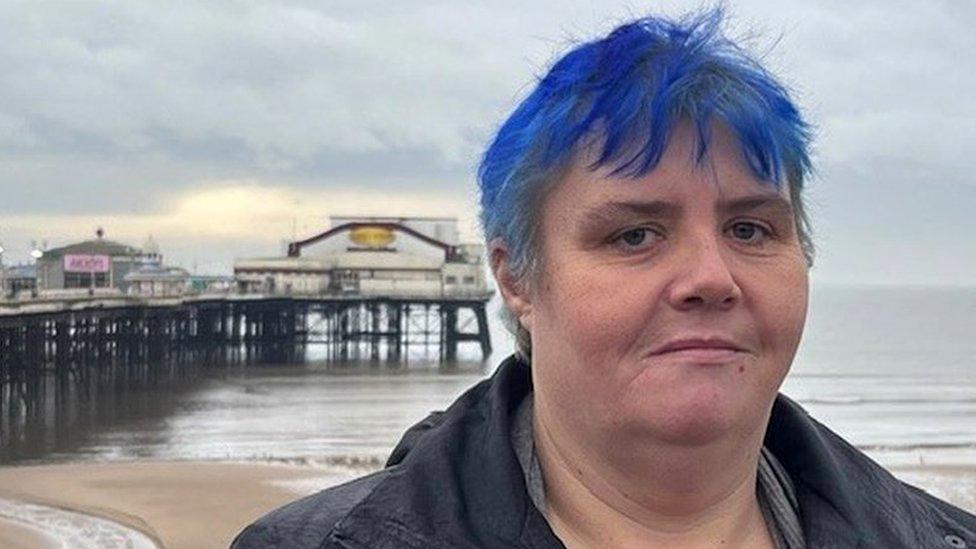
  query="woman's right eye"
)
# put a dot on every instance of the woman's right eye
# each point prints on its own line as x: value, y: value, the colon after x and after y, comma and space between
x: 636, y: 238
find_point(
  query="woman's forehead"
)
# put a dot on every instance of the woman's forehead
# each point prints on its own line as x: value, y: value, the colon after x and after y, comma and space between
x: 721, y: 176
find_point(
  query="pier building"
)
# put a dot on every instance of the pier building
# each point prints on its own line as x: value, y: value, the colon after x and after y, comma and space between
x: 156, y: 280
x: 16, y: 279
x: 93, y: 264
x: 372, y: 256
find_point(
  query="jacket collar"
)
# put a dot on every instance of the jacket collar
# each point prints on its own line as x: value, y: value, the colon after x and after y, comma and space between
x: 455, y: 480
x: 804, y: 448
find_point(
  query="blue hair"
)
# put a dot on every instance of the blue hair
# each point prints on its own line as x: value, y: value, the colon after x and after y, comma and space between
x: 630, y: 89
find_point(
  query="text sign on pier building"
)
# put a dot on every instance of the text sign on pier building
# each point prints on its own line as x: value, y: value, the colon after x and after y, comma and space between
x: 79, y: 263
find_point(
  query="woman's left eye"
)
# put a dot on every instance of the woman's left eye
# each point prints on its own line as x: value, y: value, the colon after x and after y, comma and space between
x: 749, y: 232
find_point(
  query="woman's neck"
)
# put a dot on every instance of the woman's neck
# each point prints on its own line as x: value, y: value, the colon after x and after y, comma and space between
x: 701, y: 496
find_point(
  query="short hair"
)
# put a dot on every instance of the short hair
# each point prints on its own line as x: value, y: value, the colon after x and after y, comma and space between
x: 630, y: 89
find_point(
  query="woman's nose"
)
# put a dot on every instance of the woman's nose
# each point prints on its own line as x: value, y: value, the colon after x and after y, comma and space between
x: 703, y: 277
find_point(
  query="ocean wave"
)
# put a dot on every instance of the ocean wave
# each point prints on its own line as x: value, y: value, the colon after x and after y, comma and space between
x: 914, y: 446
x: 74, y: 529
x: 894, y: 399
x: 340, y: 461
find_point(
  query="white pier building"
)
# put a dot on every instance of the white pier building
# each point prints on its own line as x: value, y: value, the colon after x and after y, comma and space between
x: 372, y: 256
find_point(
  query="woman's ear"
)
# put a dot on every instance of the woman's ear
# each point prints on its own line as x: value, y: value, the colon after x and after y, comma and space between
x: 514, y: 292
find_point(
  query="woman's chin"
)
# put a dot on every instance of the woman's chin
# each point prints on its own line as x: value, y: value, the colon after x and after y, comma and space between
x: 693, y: 416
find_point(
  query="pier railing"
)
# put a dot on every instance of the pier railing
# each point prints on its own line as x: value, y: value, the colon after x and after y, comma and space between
x: 51, y: 301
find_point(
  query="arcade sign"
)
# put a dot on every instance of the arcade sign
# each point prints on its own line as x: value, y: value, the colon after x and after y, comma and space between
x: 79, y: 263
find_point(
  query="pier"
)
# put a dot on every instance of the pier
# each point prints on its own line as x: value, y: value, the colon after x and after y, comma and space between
x: 56, y: 355
x: 69, y: 336
x: 101, y: 318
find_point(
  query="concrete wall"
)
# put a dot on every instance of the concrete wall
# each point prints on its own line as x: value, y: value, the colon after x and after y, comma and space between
x: 50, y: 273
x: 284, y: 283
x: 463, y: 277
x: 374, y: 286
x: 157, y: 287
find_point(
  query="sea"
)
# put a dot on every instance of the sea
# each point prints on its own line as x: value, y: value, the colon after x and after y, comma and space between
x: 891, y: 369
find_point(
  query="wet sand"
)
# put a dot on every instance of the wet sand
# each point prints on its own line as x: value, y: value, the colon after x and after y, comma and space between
x: 204, y: 504
x: 16, y: 535
x: 178, y: 504
x: 953, y: 483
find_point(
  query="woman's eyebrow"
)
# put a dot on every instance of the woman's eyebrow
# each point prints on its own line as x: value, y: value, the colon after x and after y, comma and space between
x: 775, y: 203
x: 599, y: 216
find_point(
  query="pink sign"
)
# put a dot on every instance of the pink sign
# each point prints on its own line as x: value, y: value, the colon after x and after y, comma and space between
x: 86, y: 263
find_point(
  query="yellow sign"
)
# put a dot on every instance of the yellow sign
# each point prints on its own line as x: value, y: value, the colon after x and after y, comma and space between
x: 372, y: 237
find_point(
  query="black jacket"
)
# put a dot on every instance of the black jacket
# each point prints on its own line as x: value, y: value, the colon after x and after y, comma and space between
x: 453, y: 481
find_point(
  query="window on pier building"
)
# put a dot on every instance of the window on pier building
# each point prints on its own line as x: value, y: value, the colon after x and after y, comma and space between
x: 84, y: 280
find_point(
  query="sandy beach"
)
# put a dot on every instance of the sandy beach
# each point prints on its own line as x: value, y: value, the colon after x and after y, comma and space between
x: 195, y: 505
x: 176, y: 504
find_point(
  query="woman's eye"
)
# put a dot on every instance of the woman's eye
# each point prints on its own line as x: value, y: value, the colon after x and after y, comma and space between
x: 748, y: 232
x: 635, y: 238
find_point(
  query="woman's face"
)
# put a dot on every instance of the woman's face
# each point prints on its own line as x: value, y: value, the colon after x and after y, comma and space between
x: 669, y: 306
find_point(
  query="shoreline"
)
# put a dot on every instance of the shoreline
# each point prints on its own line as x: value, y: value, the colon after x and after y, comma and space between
x: 45, y: 526
x: 201, y: 504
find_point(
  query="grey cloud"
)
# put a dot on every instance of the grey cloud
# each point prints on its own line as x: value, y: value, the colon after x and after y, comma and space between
x: 108, y: 106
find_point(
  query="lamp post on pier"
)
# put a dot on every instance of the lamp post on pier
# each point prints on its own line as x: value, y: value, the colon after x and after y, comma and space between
x: 3, y: 275
x: 36, y: 254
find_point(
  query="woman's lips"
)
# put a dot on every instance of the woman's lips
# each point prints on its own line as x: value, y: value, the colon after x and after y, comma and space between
x: 701, y: 354
x: 715, y: 350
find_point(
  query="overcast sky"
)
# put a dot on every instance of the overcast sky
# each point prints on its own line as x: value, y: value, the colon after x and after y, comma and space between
x: 223, y: 129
